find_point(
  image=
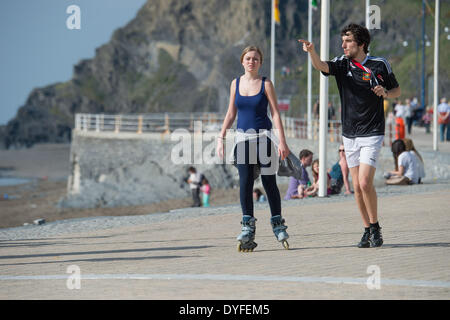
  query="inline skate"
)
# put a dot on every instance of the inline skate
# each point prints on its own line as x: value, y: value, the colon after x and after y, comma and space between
x: 246, y: 239
x: 279, y: 230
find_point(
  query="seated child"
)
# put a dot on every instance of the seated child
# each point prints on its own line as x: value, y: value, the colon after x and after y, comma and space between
x: 314, y: 189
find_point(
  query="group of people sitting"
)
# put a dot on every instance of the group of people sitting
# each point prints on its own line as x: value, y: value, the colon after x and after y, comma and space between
x: 337, y: 177
x: 409, y: 169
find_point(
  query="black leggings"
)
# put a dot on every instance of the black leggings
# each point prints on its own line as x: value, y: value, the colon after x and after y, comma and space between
x: 246, y: 164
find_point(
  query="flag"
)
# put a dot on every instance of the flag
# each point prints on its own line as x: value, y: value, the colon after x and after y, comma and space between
x: 276, y: 12
x: 314, y: 4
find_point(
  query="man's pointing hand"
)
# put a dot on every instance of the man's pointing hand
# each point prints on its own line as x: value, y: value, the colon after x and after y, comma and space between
x: 307, y: 46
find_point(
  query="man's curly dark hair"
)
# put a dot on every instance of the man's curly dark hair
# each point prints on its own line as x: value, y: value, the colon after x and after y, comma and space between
x: 360, y: 34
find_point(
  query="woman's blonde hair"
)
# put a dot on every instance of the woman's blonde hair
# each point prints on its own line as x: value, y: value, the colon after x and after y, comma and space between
x: 410, y: 147
x: 252, y: 48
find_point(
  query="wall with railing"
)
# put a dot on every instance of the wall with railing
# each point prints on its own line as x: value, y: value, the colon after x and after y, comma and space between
x: 165, y: 123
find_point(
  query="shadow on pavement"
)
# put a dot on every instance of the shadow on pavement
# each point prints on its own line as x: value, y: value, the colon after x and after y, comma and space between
x: 98, y: 260
x: 102, y: 252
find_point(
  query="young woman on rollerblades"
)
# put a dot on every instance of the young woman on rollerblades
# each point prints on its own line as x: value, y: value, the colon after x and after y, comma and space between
x: 250, y: 95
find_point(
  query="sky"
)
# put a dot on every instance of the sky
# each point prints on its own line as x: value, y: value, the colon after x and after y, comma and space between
x: 38, y: 49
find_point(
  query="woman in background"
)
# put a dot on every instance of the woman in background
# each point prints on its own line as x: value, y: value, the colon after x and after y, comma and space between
x: 421, y: 166
x: 406, y: 167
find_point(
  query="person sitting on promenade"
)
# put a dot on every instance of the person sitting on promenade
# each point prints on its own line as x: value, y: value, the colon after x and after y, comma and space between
x: 339, y: 174
x: 314, y: 189
x: 296, y: 189
x: 258, y: 196
x: 421, y: 166
x: 406, y: 167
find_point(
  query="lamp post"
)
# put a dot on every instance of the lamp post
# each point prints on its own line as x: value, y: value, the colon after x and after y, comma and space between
x: 436, y: 74
x: 422, y: 91
x: 323, y: 102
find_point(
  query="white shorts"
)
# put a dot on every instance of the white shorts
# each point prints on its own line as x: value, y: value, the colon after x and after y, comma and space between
x: 362, y: 150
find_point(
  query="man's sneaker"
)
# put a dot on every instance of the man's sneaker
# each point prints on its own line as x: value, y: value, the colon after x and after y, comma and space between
x: 375, y: 238
x: 364, y: 243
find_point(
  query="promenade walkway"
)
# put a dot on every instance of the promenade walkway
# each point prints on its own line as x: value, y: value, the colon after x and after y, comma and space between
x: 196, y: 257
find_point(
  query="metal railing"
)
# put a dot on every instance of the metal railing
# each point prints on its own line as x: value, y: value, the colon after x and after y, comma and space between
x: 166, y: 123
x: 145, y: 123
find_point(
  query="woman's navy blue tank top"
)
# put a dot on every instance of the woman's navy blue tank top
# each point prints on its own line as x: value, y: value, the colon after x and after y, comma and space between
x: 252, y: 110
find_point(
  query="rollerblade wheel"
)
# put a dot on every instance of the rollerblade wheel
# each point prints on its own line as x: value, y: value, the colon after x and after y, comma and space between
x: 240, y: 249
x: 285, y: 245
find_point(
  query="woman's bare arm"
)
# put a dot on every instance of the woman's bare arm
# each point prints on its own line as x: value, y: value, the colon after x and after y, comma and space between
x: 272, y: 97
x: 231, y: 112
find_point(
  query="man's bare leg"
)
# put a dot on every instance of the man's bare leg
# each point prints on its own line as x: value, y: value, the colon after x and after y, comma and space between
x: 366, y: 176
x: 359, y: 196
x: 366, y: 198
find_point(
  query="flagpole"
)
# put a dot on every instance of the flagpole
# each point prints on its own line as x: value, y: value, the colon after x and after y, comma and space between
x: 436, y: 83
x: 323, y: 102
x: 272, y: 45
x: 309, y: 124
x: 367, y: 13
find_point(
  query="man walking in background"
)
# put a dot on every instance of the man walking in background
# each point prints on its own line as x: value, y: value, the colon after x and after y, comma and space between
x: 364, y: 82
x: 444, y: 119
x: 194, y: 184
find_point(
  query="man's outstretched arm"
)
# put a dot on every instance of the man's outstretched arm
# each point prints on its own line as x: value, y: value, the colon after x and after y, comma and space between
x: 315, y: 59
